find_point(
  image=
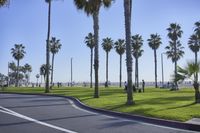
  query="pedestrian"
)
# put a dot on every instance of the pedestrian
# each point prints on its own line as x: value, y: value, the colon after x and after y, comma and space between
x: 125, y: 86
x: 143, y: 85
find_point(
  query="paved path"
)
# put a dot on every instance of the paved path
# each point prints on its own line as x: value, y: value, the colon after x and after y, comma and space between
x: 45, y: 114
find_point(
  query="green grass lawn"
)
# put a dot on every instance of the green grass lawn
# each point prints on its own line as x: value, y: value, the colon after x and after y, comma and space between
x: 160, y: 103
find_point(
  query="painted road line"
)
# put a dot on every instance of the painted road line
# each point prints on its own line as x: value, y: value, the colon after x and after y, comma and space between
x: 10, y: 112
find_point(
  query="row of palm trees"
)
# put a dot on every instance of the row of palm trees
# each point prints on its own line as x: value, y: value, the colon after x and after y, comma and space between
x: 18, y: 53
x: 107, y: 45
x: 24, y: 73
x: 92, y: 8
x: 55, y: 46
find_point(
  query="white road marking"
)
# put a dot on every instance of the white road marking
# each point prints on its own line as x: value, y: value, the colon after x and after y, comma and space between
x: 10, y: 112
x: 124, y: 119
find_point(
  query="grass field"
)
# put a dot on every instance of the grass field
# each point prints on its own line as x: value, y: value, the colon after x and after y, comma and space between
x: 159, y: 103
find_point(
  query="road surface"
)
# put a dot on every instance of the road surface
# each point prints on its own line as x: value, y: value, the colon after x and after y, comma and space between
x: 49, y: 114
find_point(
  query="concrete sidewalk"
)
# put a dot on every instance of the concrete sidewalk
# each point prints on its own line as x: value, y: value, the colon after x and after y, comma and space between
x: 194, y: 121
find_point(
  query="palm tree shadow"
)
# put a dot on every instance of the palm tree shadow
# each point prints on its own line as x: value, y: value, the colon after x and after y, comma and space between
x: 183, y: 106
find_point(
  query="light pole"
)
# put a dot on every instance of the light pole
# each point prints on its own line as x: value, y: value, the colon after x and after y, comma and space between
x: 8, y: 74
x: 71, y: 72
x: 162, y: 69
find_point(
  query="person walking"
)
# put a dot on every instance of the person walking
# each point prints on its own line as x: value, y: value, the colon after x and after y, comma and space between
x: 143, y: 85
x: 125, y: 86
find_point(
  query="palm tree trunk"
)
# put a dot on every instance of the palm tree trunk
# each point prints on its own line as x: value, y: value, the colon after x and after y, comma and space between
x: 120, y: 70
x: 127, y: 15
x: 135, y: 73
x: 106, y: 69
x: 17, y: 83
x: 53, y: 55
x: 197, y: 94
x: 91, y: 63
x: 96, y: 52
x: 47, y: 48
x: 175, y: 65
x: 155, y: 59
x: 137, y: 77
x: 196, y: 75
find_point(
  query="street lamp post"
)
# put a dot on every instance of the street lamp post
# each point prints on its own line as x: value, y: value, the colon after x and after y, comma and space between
x: 8, y: 75
x: 71, y: 72
x: 162, y: 69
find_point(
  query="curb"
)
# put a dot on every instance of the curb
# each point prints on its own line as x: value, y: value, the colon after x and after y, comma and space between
x: 150, y: 120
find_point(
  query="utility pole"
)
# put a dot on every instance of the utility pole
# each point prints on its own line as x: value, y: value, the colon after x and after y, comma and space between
x: 8, y: 74
x: 162, y: 69
x: 71, y: 72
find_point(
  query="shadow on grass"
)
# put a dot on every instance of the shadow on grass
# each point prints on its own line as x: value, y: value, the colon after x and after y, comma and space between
x: 165, y: 100
x: 183, y: 106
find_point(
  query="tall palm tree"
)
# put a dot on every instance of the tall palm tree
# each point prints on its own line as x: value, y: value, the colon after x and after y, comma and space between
x: 48, y: 46
x: 127, y: 15
x: 137, y: 43
x: 89, y: 41
x: 55, y: 46
x: 107, y: 45
x: 92, y: 7
x: 18, y: 54
x: 154, y: 43
x: 190, y: 72
x: 194, y: 46
x: 120, y: 49
x: 174, y: 33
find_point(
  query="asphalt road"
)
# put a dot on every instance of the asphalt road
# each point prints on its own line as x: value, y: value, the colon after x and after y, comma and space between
x: 45, y: 114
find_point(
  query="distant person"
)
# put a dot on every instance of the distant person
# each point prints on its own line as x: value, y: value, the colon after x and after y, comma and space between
x: 143, y: 85
x: 125, y: 86
x: 58, y: 84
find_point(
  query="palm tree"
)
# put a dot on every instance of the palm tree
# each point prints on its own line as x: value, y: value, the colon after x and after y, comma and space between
x: 27, y: 70
x: 54, y: 48
x: 120, y: 49
x: 107, y: 45
x: 89, y: 41
x: 12, y: 72
x: 43, y: 70
x: 137, y: 43
x: 191, y: 70
x: 194, y: 46
x: 154, y: 43
x: 92, y: 7
x: 175, y: 55
x: 48, y: 46
x: 127, y: 15
x: 18, y: 54
x: 174, y: 33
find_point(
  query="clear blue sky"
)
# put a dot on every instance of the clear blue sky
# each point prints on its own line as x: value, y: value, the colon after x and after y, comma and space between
x: 25, y: 21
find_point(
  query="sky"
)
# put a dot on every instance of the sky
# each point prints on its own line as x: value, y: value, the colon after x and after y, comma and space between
x: 25, y: 21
